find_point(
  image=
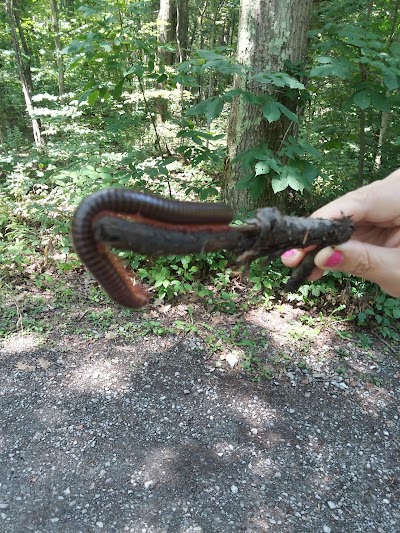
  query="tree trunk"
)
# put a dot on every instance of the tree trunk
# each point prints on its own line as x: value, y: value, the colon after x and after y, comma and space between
x: 26, y: 64
x: 24, y: 82
x: 2, y: 121
x: 58, y: 48
x: 362, y: 115
x: 167, y: 29
x: 182, y: 26
x: 386, y: 114
x: 271, y: 32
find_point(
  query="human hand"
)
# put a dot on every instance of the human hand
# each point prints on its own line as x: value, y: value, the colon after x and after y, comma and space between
x: 373, y: 252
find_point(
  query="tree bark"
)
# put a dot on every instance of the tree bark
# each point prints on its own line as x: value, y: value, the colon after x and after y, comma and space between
x: 166, y: 22
x: 58, y: 48
x: 2, y: 121
x: 182, y: 27
x: 26, y: 64
x: 271, y: 32
x: 385, y: 115
x: 24, y: 82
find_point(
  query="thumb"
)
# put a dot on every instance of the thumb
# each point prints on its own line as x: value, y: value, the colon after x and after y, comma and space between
x: 374, y: 263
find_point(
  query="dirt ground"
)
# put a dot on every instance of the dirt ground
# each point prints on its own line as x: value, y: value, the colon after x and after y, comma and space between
x: 151, y: 424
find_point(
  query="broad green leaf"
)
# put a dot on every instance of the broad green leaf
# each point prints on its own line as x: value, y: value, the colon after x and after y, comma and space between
x: 103, y: 92
x: 395, y: 49
x: 230, y: 95
x: 288, y: 113
x: 211, y: 108
x: 252, y: 98
x: 87, y: 11
x: 308, y: 174
x: 309, y: 149
x: 117, y: 91
x: 93, y: 97
x: 294, y: 182
x: 362, y: 99
x: 214, y: 108
x: 390, y: 79
x: 209, y: 55
x: 324, y: 59
x: 279, y: 79
x: 106, y: 47
x: 262, y: 153
x: 341, y: 68
x: 257, y: 186
x: 261, y: 167
x: 271, y: 111
x: 244, y: 183
x: 279, y: 184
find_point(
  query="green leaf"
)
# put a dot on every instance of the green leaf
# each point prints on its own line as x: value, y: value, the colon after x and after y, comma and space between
x: 279, y: 184
x: 294, y: 183
x: 380, y: 101
x: 395, y: 49
x: 117, y: 91
x: 244, y: 183
x: 362, y: 99
x: 214, y: 108
x: 271, y: 111
x: 279, y: 79
x: 93, y: 97
x: 308, y: 174
x: 309, y: 149
x: 252, y: 98
x: 390, y: 79
x: 342, y: 68
x: 262, y: 167
x: 137, y: 70
x: 288, y: 113
x: 211, y: 108
x: 257, y: 187
x: 209, y: 55
x: 396, y: 313
x: 228, y: 96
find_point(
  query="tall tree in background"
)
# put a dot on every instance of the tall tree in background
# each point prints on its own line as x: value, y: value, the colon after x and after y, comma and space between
x: 24, y: 75
x: 173, y: 24
x: 58, y: 47
x: 386, y: 114
x: 271, y: 33
x: 166, y: 23
x: 182, y: 27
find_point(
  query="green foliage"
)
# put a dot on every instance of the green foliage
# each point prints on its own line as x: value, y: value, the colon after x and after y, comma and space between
x: 107, y: 131
x: 385, y: 314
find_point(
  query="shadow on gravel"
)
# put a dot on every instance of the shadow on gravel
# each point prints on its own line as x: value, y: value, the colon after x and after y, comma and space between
x: 150, y: 437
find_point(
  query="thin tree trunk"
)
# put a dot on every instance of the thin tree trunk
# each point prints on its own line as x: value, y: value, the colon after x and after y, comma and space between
x: 58, y: 47
x: 2, y: 121
x: 362, y: 115
x: 182, y: 26
x: 362, y: 146
x: 25, y: 86
x: 166, y: 22
x: 271, y: 32
x: 198, y: 24
x: 26, y: 65
x: 386, y: 114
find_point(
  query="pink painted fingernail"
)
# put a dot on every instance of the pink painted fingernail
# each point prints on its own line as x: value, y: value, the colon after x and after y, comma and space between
x: 334, y: 259
x: 289, y: 253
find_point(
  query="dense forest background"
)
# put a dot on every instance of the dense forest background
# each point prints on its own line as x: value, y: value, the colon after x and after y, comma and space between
x: 288, y: 103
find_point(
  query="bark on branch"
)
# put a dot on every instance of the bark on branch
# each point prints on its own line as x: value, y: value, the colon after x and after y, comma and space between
x: 267, y: 235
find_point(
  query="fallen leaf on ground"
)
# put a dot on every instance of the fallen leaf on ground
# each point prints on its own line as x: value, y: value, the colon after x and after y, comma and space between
x: 24, y: 366
x: 43, y: 363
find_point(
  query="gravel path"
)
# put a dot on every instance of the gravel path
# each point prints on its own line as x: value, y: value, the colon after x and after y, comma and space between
x: 158, y: 435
